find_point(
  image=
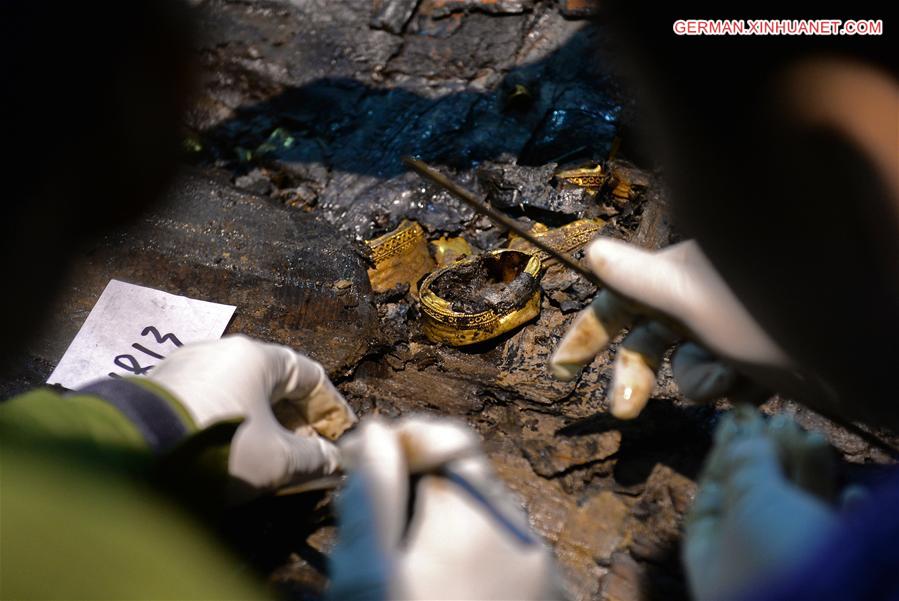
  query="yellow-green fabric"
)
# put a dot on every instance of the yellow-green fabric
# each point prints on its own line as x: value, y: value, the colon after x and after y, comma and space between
x: 75, y: 528
x: 85, y: 418
x: 90, y: 420
x: 79, y: 519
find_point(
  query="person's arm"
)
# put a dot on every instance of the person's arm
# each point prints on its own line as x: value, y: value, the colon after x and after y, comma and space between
x: 857, y: 561
x: 75, y: 525
x: 134, y: 415
x: 81, y: 512
x: 233, y: 381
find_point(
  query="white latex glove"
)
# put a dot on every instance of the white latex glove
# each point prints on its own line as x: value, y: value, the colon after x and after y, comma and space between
x: 466, y: 537
x: 237, y: 377
x: 760, y: 507
x: 681, y: 284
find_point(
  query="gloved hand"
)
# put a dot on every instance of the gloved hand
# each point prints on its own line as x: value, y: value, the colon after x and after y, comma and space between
x: 680, y: 283
x: 760, y: 507
x: 237, y: 377
x: 465, y: 539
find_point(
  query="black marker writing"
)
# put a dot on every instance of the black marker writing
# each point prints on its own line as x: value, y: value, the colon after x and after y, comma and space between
x: 133, y: 366
x: 147, y: 351
x: 160, y: 338
x: 130, y: 364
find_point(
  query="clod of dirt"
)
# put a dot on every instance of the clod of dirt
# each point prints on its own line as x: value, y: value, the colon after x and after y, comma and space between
x: 522, y: 188
x: 442, y: 8
x: 391, y: 15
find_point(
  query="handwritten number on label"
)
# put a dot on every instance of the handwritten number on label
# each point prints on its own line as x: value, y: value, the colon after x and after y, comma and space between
x: 133, y: 366
x: 130, y: 364
x: 147, y: 351
x: 159, y: 337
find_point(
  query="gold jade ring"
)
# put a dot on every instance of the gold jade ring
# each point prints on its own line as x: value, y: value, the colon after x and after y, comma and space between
x: 505, y: 274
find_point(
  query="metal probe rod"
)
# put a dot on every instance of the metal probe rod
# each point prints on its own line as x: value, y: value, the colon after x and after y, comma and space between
x: 469, y: 198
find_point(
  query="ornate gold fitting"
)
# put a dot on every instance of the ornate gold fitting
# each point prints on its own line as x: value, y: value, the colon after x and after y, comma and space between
x: 480, y: 298
x: 567, y: 239
x: 449, y: 250
x: 591, y: 179
x: 400, y: 257
x: 626, y: 181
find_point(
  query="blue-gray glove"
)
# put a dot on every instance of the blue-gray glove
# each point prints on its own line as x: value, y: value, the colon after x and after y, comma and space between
x: 761, y: 506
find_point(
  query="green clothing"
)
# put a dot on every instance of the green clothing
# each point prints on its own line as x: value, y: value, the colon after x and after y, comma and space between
x: 82, y: 418
x: 78, y: 519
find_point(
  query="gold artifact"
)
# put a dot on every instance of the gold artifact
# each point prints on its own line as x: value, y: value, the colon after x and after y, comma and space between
x: 626, y: 181
x: 400, y: 257
x: 566, y: 239
x: 448, y: 250
x: 481, y: 297
x: 591, y: 179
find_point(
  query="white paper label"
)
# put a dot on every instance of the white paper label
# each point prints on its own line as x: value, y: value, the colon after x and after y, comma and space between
x: 131, y: 329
